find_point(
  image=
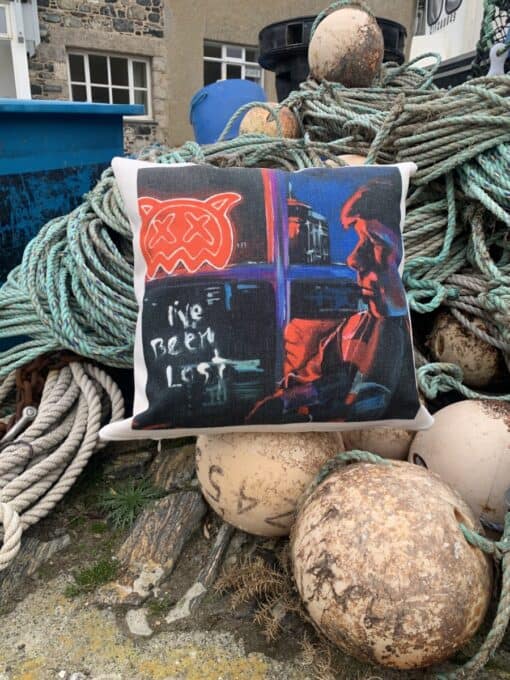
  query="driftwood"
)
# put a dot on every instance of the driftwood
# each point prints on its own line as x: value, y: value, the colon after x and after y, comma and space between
x: 152, y: 549
x: 33, y: 554
x: 128, y: 460
x: 206, y: 577
x: 173, y: 469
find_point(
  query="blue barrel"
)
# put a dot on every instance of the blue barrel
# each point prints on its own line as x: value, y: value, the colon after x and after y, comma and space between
x: 212, y: 107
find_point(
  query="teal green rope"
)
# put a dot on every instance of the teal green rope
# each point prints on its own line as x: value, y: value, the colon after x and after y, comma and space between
x: 73, y: 289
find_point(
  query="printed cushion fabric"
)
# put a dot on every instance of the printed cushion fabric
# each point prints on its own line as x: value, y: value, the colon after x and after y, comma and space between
x: 268, y: 300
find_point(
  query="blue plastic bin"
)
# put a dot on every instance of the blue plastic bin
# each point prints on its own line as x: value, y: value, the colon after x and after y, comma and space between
x: 51, y: 153
x: 212, y: 107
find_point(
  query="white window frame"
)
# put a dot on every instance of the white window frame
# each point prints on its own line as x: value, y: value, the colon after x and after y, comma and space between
x: 130, y: 86
x: 15, y: 38
x: 225, y: 60
x: 8, y: 20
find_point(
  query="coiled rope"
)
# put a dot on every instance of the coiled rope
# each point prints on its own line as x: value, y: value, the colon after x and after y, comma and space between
x: 39, y: 468
x: 73, y: 289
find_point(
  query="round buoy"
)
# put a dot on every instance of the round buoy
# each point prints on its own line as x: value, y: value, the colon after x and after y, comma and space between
x: 451, y: 342
x: 353, y: 159
x: 258, y: 120
x: 347, y: 47
x: 383, y: 568
x: 469, y: 447
x: 387, y: 442
x: 348, y: 159
x: 254, y: 481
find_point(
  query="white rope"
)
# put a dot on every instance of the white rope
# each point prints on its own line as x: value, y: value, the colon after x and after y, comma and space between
x: 12, y: 534
x: 39, y: 467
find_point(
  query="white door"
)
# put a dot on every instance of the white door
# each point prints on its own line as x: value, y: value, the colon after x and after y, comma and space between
x: 14, y: 78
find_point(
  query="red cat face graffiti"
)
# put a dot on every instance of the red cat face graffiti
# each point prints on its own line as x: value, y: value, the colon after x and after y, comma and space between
x: 187, y: 233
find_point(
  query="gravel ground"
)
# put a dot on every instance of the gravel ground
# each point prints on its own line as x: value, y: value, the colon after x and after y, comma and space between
x: 49, y: 637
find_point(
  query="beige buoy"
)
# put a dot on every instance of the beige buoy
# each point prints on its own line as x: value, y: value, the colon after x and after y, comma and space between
x: 347, y: 47
x: 383, y: 568
x: 254, y: 481
x: 451, y: 342
x: 259, y: 120
x: 348, y: 159
x: 353, y: 159
x: 469, y: 447
x: 388, y: 442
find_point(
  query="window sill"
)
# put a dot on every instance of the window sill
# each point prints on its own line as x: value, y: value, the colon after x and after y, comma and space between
x: 140, y: 119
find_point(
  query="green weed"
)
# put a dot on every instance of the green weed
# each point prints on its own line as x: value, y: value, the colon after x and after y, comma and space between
x: 123, y: 503
x: 92, y: 577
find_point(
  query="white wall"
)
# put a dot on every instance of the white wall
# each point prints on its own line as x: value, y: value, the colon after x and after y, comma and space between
x: 7, y: 86
x: 454, y: 34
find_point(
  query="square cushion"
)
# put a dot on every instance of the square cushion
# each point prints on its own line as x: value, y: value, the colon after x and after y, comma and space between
x: 268, y: 300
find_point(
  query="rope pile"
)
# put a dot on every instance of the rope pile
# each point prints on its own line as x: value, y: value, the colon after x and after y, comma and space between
x: 73, y: 289
x: 38, y: 469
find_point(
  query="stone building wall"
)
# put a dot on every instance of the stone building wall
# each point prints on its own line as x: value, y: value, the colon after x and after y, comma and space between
x: 124, y: 27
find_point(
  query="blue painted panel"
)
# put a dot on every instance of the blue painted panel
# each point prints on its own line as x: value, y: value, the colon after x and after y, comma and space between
x: 28, y: 200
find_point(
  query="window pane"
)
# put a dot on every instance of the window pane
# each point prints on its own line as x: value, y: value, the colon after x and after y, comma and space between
x: 212, y: 72
x: 141, y: 98
x: 212, y: 50
x: 252, y: 55
x: 3, y: 19
x: 79, y: 93
x: 100, y: 95
x: 119, y: 71
x: 421, y: 23
x: 120, y: 96
x: 98, y: 69
x: 235, y: 52
x: 453, y: 5
x: 252, y: 72
x: 233, y: 71
x: 77, y: 67
x: 139, y: 74
x: 434, y: 9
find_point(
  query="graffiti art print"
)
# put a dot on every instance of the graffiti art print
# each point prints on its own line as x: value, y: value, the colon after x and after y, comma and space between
x: 272, y: 298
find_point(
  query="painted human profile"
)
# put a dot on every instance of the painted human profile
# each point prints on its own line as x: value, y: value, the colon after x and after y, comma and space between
x: 378, y: 252
x: 340, y: 368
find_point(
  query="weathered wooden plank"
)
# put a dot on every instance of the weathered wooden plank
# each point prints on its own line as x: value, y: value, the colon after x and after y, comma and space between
x: 33, y: 554
x: 195, y: 594
x: 173, y: 467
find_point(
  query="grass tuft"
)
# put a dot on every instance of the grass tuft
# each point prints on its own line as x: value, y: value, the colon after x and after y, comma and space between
x: 90, y: 578
x: 124, y: 502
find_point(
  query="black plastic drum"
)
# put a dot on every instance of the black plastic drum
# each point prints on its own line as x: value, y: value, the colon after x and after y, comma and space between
x: 284, y: 49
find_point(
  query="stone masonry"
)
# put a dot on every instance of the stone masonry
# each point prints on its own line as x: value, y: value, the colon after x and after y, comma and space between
x: 124, y: 27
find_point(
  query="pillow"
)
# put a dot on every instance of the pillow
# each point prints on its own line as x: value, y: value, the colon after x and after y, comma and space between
x: 268, y: 300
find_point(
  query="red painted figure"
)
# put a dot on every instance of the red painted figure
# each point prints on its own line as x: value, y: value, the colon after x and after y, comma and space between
x: 350, y: 369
